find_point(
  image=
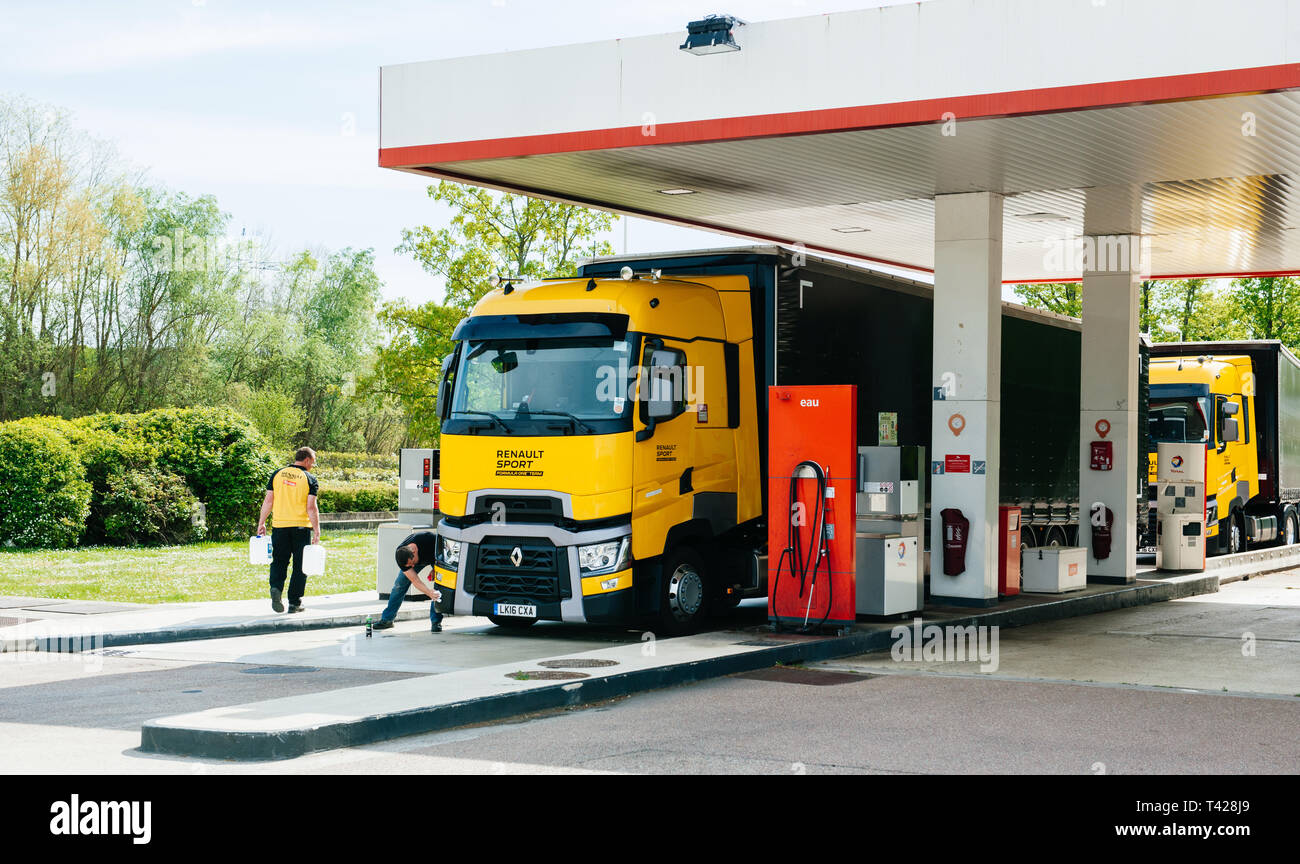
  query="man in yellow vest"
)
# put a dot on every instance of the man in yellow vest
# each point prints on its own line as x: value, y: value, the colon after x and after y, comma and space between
x: 291, y: 503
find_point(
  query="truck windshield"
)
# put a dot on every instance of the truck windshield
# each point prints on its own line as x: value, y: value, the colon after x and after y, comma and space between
x: 543, y: 387
x: 1179, y: 421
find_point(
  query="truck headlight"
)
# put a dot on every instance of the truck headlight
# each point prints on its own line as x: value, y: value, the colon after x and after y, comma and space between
x: 603, y: 557
x: 448, y: 552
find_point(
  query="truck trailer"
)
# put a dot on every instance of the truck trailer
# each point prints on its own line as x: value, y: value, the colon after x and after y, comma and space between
x: 604, y: 436
x: 1242, y: 400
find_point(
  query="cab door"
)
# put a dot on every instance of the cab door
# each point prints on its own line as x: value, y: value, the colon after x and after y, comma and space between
x: 661, y: 481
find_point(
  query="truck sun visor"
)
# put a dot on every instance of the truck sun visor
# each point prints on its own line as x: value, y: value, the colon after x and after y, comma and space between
x: 550, y: 326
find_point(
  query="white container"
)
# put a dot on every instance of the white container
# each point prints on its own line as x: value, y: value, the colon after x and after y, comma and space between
x: 259, y: 549
x: 313, y: 560
x: 1053, y: 569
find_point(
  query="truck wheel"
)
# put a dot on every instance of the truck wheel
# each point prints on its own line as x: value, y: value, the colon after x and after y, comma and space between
x: 1289, y: 532
x: 1028, y: 537
x: 1236, y: 533
x: 683, y: 596
x: 1055, y: 537
x: 512, y: 623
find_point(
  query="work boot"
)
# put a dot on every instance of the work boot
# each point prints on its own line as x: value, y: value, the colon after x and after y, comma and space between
x: 436, y: 628
x: 381, y: 624
x: 295, y: 607
x: 275, y: 600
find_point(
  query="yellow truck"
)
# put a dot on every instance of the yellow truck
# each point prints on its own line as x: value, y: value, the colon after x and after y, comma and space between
x: 1242, y: 400
x: 600, y: 452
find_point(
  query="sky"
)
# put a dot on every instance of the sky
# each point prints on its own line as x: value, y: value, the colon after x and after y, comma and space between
x: 272, y: 107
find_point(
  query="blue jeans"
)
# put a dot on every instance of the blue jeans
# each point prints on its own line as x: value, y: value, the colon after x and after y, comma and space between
x: 398, y: 594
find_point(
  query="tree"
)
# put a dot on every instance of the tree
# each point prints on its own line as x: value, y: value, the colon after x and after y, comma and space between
x: 1063, y: 298
x: 489, y: 233
x: 507, y: 235
x: 1269, y: 307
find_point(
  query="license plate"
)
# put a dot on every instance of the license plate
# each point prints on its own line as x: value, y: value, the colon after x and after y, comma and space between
x: 516, y: 610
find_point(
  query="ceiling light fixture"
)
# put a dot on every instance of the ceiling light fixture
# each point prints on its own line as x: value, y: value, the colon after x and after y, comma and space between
x: 1043, y: 216
x: 676, y: 191
x: 711, y: 35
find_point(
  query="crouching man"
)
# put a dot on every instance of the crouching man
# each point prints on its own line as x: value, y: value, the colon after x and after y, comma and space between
x: 413, y: 553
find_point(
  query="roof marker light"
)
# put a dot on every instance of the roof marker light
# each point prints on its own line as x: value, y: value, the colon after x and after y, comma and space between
x: 625, y: 273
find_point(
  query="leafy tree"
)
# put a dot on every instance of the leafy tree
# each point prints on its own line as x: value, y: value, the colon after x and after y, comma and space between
x: 1269, y: 307
x: 508, y: 235
x: 490, y: 233
x: 1063, y: 298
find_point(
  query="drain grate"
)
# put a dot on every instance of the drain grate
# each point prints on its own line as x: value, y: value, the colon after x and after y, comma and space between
x: 577, y: 663
x: 548, y: 675
x: 13, y: 622
x: 800, y: 675
x: 279, y: 670
x: 114, y: 652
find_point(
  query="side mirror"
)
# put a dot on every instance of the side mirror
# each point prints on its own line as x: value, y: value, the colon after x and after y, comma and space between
x: 445, y: 379
x: 1230, y: 409
x: 1230, y: 431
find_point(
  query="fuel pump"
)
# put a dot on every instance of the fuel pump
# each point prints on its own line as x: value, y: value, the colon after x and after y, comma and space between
x: 812, y: 454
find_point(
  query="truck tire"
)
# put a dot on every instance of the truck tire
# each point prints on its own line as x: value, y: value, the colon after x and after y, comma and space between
x: 1028, y: 537
x: 512, y: 623
x: 1236, y: 539
x: 684, y: 593
x: 1056, y: 536
x: 1290, y: 530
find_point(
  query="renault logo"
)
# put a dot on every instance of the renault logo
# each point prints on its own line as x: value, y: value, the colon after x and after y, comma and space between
x: 516, y: 556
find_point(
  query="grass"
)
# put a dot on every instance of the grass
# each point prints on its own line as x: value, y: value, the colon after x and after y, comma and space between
x: 177, y: 574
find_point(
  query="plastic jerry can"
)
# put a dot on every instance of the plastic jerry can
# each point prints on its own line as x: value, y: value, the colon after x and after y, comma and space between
x: 313, y: 560
x: 259, y: 549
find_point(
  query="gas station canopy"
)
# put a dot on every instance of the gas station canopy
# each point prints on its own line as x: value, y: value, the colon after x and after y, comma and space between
x: 838, y: 131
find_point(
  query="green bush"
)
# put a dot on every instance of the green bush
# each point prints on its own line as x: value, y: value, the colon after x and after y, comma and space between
x: 46, y: 497
x: 221, y: 456
x: 356, y: 497
x: 356, y: 467
x: 150, y: 507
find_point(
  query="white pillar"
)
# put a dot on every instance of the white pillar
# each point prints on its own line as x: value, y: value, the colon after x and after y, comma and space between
x: 1108, y: 386
x: 965, y: 432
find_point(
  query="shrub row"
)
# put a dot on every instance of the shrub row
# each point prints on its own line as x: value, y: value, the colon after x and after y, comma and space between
x: 166, y: 476
x: 345, y: 497
x: 335, y: 460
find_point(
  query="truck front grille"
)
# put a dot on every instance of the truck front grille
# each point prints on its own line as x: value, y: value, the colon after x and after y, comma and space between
x: 541, y: 574
x: 533, y: 559
x: 531, y: 587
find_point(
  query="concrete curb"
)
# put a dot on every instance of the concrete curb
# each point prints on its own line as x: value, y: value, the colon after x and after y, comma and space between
x: 88, y: 640
x: 289, y: 744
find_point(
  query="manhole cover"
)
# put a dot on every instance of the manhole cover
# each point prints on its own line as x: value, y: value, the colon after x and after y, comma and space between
x: 546, y: 676
x: 799, y: 675
x: 577, y: 663
x: 279, y: 670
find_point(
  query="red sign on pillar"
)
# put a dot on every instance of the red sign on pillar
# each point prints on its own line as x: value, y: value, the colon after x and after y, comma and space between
x: 959, y: 464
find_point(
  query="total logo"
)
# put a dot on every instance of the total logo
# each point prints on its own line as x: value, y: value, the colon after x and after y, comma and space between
x: 1177, y: 461
x: 902, y: 550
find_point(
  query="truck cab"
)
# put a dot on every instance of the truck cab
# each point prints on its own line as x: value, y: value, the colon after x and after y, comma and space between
x: 1211, y: 400
x: 599, y: 437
